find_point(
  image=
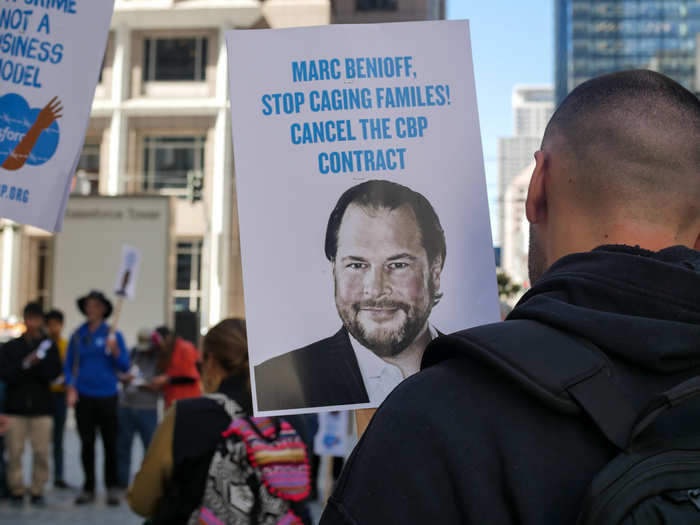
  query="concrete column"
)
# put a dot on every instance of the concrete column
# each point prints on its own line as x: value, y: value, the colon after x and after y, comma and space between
x: 220, y: 197
x: 9, y: 276
x: 120, y: 92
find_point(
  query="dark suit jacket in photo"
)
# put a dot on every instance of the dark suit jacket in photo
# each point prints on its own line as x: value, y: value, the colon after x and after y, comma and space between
x: 323, y: 373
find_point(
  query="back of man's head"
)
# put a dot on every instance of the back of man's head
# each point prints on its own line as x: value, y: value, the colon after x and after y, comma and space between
x: 55, y: 315
x: 622, y: 161
x: 33, y: 309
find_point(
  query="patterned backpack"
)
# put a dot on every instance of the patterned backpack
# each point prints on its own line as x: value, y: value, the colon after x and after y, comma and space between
x: 258, y: 472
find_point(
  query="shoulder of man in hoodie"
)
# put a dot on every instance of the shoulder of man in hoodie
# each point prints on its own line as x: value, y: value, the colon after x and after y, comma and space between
x: 469, y: 429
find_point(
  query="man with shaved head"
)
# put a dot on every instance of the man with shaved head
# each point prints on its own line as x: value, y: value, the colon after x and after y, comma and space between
x: 509, y: 423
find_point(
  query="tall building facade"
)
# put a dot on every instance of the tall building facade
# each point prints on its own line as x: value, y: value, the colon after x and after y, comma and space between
x: 160, y: 124
x: 371, y: 11
x: 595, y: 37
x: 514, y: 257
x: 532, y: 108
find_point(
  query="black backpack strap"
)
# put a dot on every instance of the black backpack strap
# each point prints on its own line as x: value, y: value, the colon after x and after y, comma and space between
x: 664, y: 402
x: 566, y: 372
x: 232, y: 408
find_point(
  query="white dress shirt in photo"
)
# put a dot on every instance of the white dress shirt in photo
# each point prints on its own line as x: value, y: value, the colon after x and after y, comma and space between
x: 379, y: 377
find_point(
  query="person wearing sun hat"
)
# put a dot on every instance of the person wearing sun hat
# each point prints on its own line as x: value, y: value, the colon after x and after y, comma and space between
x: 95, y: 355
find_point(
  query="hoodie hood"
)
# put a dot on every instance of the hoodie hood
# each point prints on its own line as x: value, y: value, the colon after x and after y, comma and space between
x: 638, y: 306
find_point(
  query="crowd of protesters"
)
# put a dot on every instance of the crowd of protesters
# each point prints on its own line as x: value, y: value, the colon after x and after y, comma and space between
x: 114, y: 392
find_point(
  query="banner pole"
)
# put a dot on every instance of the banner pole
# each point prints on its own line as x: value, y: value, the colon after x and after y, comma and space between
x: 115, y: 320
x: 117, y: 312
x: 327, y: 478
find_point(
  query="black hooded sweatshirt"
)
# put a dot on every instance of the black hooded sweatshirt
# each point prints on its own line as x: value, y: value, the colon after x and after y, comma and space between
x: 461, y: 443
x: 28, y: 389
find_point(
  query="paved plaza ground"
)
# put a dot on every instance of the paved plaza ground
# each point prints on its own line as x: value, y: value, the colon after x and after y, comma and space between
x: 60, y: 510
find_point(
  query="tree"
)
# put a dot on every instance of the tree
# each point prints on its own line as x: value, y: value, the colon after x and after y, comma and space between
x: 506, y: 288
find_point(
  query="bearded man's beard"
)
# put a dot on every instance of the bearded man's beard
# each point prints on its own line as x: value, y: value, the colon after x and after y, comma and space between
x: 387, y: 341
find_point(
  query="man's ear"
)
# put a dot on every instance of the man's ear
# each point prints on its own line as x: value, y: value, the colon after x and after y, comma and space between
x: 536, y: 203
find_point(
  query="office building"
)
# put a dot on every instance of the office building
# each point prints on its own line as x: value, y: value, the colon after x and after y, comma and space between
x: 516, y: 229
x: 372, y: 11
x: 532, y: 108
x: 160, y: 125
x: 595, y: 37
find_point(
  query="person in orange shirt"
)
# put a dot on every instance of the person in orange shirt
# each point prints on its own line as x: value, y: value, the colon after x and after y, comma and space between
x: 178, y: 360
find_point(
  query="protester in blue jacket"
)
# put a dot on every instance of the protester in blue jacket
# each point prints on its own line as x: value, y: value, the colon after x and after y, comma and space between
x: 94, y: 357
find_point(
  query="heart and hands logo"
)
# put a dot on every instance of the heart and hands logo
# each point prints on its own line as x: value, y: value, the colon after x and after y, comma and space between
x: 27, y: 135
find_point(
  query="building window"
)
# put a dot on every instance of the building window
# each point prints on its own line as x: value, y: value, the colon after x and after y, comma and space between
x: 188, y: 277
x: 42, y: 282
x: 167, y: 59
x: 168, y: 160
x: 376, y: 5
x: 87, y: 175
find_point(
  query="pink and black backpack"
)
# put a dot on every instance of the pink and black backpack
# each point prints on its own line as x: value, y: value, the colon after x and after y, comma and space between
x: 259, y: 471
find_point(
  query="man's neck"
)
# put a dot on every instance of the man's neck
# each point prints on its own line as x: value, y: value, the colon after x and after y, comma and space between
x: 94, y: 325
x: 569, y: 237
x: 409, y: 360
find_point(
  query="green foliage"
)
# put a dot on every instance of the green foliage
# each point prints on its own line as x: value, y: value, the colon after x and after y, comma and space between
x: 506, y: 288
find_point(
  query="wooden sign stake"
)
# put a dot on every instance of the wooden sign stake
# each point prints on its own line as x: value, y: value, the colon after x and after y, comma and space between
x: 117, y: 312
x: 362, y: 418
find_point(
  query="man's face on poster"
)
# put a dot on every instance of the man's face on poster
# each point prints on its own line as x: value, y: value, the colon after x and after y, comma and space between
x: 385, y: 285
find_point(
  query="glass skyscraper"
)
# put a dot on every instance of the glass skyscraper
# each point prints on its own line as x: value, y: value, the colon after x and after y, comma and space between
x: 594, y: 37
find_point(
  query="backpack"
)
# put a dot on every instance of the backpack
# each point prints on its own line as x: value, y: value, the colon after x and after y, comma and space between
x: 655, y: 478
x: 259, y: 470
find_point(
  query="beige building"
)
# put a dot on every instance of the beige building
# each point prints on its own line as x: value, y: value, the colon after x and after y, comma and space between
x: 367, y: 11
x: 160, y: 124
x: 532, y: 106
x: 516, y: 228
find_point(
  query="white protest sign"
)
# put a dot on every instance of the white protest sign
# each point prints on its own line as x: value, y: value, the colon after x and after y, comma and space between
x: 125, y: 285
x: 332, y: 436
x: 43, y: 348
x: 362, y: 206
x: 50, y: 59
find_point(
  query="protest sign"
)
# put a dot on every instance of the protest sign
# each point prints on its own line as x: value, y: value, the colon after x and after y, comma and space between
x: 362, y: 206
x: 50, y: 58
x: 332, y: 436
x: 125, y: 285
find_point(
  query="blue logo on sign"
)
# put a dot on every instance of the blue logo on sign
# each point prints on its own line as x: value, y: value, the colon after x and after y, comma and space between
x: 17, y: 121
x: 330, y: 440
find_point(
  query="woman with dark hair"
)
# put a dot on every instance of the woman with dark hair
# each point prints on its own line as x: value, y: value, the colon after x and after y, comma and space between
x: 171, y: 482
